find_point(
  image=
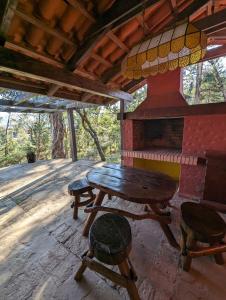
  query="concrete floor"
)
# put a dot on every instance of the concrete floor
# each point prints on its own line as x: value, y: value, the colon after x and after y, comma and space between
x: 40, y: 244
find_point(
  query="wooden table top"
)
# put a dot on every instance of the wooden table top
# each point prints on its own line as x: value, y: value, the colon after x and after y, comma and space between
x: 132, y: 184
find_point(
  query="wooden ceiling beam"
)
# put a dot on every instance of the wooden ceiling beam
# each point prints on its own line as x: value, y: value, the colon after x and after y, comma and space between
x: 21, y: 65
x: 101, y: 60
x: 39, y: 23
x: 210, y: 23
x: 32, y: 53
x: 9, y: 103
x: 77, y: 4
x: 117, y: 41
x: 111, y: 73
x: 120, y: 13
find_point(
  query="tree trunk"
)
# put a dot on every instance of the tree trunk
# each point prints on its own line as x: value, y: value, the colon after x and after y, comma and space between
x: 198, y: 82
x: 88, y: 127
x: 38, y: 137
x: 218, y: 78
x: 56, y: 119
x: 6, y: 135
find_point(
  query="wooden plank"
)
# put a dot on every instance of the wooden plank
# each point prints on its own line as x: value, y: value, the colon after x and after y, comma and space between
x: 19, y: 64
x: 72, y: 135
x: 39, y: 23
x: 174, y: 112
x: 77, y: 4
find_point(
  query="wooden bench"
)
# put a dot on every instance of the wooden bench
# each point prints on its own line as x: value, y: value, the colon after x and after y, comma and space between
x: 80, y: 188
x: 110, y: 242
x: 203, y: 224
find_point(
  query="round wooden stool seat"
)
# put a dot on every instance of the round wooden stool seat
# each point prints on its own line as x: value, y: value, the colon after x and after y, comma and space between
x: 206, y: 224
x: 110, y: 239
x: 79, y: 187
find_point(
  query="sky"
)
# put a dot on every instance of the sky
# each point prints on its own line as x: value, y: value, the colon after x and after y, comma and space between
x: 3, y: 116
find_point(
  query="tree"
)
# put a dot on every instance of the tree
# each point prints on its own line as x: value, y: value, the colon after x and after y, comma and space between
x: 88, y: 127
x: 57, y: 124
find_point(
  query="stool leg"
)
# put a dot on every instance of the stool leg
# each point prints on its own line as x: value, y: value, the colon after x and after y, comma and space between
x: 75, y: 213
x: 82, y: 268
x: 131, y: 288
x: 187, y: 260
x: 218, y: 256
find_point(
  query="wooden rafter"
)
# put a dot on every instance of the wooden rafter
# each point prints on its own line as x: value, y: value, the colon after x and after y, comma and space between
x: 111, y: 73
x: 79, y: 4
x: 39, y: 23
x: 120, y: 13
x: 117, y: 41
x: 212, y: 23
x: 101, y: 60
x: 19, y: 64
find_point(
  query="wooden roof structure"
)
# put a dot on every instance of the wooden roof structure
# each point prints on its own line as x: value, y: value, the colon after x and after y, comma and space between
x: 73, y: 49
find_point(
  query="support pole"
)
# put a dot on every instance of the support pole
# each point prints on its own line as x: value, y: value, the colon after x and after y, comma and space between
x: 72, y: 134
x: 122, y: 110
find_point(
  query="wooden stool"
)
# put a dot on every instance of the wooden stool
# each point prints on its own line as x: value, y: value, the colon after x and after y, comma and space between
x: 110, y: 242
x: 78, y: 189
x: 201, y: 224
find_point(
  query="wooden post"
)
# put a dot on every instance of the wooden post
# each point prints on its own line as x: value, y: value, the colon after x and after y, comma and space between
x: 72, y: 134
x: 122, y: 110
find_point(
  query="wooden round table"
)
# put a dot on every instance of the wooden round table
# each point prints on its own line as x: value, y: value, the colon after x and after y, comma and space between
x: 150, y: 188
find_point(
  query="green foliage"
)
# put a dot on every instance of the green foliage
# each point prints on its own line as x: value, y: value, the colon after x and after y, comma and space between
x: 212, y: 78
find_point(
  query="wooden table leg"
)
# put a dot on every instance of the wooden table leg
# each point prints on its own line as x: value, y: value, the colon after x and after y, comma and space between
x: 167, y: 231
x: 91, y: 217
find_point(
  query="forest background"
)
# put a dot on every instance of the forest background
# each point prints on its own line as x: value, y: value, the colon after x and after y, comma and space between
x: 97, y: 129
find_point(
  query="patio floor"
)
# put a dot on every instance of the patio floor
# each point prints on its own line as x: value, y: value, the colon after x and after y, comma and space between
x: 40, y: 244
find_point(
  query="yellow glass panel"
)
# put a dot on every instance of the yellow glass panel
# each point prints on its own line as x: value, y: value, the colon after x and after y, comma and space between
x: 153, y: 70
x: 146, y: 73
x: 195, y: 57
x: 178, y: 44
x: 128, y: 74
x: 173, y: 64
x: 192, y: 40
x: 164, y: 49
x: 131, y: 61
x: 137, y: 74
x: 184, y: 61
x: 191, y: 29
x: 152, y: 54
x: 163, y: 67
x: 141, y: 58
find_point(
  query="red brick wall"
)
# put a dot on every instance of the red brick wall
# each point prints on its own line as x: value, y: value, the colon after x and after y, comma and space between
x: 201, y: 133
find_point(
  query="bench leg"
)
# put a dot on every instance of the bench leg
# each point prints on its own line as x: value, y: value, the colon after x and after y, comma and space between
x: 76, y: 203
x: 82, y: 268
x: 187, y: 259
x: 131, y: 286
x: 218, y: 256
x: 97, y: 202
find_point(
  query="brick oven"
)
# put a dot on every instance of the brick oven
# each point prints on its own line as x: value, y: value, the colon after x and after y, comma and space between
x: 186, y: 142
